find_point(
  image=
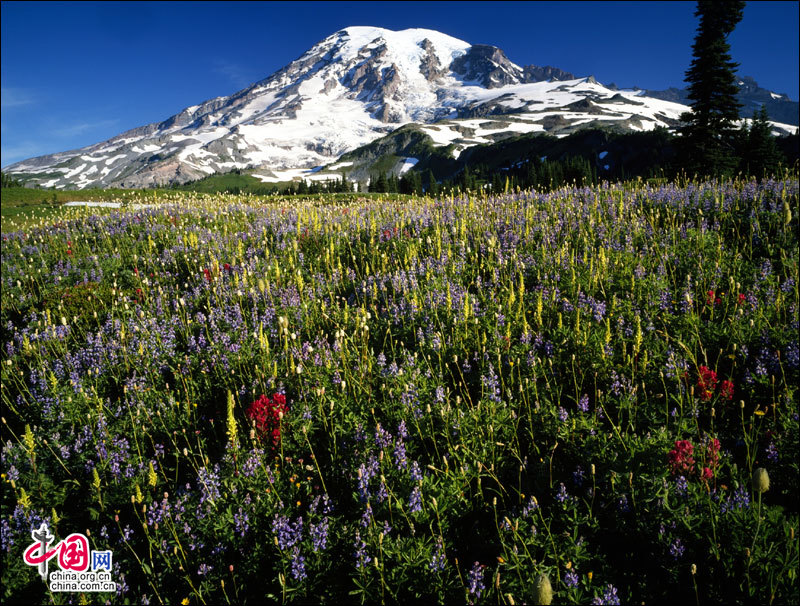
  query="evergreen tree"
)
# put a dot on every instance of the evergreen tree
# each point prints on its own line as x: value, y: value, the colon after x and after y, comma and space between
x: 9, y: 181
x: 708, y: 132
x: 381, y: 184
x: 345, y: 186
x: 406, y: 186
x: 431, y: 186
x: 760, y: 155
x: 497, y: 183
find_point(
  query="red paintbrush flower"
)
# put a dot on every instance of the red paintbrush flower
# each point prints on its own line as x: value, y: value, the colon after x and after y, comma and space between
x: 726, y: 389
x: 706, y: 383
x: 267, y: 414
x: 680, y: 457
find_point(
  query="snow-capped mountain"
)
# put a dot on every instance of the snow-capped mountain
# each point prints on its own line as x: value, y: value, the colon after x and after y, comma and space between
x: 353, y: 87
x: 779, y: 106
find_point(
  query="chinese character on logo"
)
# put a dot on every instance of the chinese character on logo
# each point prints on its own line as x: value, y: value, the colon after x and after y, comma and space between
x: 37, y: 554
x: 73, y: 552
x: 101, y: 560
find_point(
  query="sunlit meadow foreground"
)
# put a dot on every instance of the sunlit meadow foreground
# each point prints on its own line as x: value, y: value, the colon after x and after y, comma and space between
x: 588, y: 396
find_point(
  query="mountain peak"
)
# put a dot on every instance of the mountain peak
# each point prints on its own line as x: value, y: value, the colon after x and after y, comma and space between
x: 405, y: 43
x: 355, y: 86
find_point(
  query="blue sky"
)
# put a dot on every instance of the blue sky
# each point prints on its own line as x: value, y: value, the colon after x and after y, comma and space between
x: 76, y: 73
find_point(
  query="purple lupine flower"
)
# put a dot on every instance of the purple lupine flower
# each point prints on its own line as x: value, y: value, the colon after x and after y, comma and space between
x: 609, y: 597
x: 204, y: 569
x: 571, y: 579
x: 402, y: 431
x: 6, y: 536
x: 415, y: 472
x: 792, y: 354
x: 492, y: 385
x: 359, y: 435
x: 438, y: 561
x: 319, y: 535
x: 362, y: 557
x: 583, y: 404
x: 562, y: 493
x: 383, y: 438
x: 681, y: 485
x: 563, y: 415
x: 241, y: 520
x: 531, y: 506
x: 251, y: 464
x: 366, y: 517
x: 382, y: 493
x: 127, y: 533
x: 475, y: 579
x: 157, y: 512
x: 415, y: 500
x: 740, y: 499
x: 298, y: 565
x: 400, y: 455
x: 209, y: 483
x: 772, y: 452
x: 288, y: 534
x: 677, y: 549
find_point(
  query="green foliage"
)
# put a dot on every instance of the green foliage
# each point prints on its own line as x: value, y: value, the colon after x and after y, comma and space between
x: 479, y: 390
x: 8, y: 181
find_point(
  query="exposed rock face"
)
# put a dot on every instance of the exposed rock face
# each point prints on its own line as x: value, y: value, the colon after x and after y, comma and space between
x: 533, y: 73
x: 487, y: 65
x: 429, y: 65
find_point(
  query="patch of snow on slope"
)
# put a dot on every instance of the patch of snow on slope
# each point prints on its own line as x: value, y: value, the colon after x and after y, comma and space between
x: 71, y: 173
x: 145, y: 149
x: 441, y: 134
x: 113, y: 159
x: 408, y: 164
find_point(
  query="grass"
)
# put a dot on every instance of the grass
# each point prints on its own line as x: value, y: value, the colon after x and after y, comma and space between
x: 394, y: 399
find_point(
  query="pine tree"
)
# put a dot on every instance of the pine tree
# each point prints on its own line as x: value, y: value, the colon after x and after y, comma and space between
x: 9, y: 181
x: 381, y: 185
x: 708, y: 132
x: 432, y: 186
x: 760, y: 155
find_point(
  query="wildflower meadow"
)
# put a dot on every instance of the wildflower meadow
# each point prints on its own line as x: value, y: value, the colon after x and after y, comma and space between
x: 587, y: 396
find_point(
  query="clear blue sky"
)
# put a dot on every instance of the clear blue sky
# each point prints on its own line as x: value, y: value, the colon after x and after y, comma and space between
x: 76, y: 73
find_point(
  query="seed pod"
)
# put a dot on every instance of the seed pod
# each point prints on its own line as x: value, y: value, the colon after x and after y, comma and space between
x: 760, y: 480
x: 544, y: 591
